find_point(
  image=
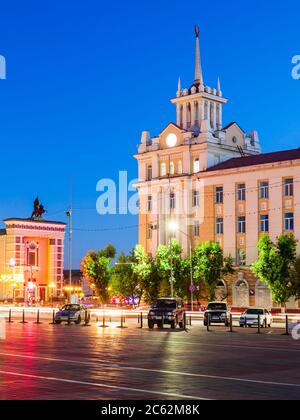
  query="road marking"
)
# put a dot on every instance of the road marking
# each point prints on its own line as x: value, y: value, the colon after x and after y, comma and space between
x: 94, y: 384
x: 168, y: 372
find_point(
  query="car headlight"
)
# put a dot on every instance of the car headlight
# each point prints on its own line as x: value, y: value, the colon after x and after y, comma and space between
x: 170, y: 313
x: 151, y: 313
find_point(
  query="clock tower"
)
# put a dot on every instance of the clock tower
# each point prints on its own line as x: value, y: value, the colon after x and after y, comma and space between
x: 197, y: 141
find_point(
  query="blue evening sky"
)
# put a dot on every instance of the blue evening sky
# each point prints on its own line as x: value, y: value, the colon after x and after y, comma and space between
x: 84, y: 78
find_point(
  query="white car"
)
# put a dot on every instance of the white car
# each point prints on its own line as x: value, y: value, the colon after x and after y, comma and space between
x: 250, y: 318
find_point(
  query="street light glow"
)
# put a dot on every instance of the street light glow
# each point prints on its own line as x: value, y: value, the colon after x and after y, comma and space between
x: 172, y: 226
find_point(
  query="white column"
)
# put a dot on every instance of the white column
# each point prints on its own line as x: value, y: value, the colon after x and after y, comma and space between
x: 178, y: 106
x: 200, y: 112
x: 215, y: 116
x: 193, y: 113
x: 220, y: 122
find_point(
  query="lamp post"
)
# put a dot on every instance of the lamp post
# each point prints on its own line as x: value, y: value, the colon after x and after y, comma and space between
x: 69, y: 214
x: 173, y: 227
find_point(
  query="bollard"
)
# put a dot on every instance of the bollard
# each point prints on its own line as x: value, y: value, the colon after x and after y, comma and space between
x: 258, y: 331
x: 103, y: 322
x: 184, y: 321
x: 53, y: 318
x: 286, y: 325
x: 10, y: 321
x: 23, y: 318
x: 231, y: 323
x: 141, y: 318
x: 86, y: 319
x: 69, y: 318
x: 38, y: 317
x: 190, y: 320
x: 122, y: 322
x: 208, y: 322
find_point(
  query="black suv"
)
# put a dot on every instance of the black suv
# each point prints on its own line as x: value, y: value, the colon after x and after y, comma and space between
x: 217, y: 313
x: 167, y: 311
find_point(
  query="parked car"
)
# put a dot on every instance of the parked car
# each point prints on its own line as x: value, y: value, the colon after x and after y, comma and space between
x: 167, y: 311
x: 72, y: 313
x: 217, y: 313
x: 250, y: 318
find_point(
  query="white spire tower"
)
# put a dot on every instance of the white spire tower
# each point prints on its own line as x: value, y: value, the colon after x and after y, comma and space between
x: 198, y: 67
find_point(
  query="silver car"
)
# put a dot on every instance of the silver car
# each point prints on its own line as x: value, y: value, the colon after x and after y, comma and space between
x: 250, y: 318
x: 72, y: 313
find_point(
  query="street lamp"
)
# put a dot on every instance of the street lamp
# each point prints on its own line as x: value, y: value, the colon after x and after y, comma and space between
x: 173, y: 227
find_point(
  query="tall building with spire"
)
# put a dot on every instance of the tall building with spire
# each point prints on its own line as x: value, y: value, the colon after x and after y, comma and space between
x: 212, y: 181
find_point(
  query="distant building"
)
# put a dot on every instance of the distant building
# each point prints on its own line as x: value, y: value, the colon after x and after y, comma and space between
x: 31, y: 260
x: 213, y: 183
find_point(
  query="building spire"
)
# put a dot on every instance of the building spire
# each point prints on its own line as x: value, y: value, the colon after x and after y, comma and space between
x: 179, y: 87
x: 219, y: 87
x: 198, y: 67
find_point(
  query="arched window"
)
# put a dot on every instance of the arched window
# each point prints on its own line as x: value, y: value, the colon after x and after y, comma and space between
x: 212, y: 115
x: 196, y: 122
x: 181, y: 116
x: 172, y: 168
x: 179, y: 167
x: 149, y: 173
x: 189, y: 115
x: 196, y: 168
x: 163, y: 169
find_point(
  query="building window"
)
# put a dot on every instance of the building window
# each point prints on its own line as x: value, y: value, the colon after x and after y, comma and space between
x: 149, y: 204
x: 52, y: 242
x: 264, y: 223
x: 196, y: 166
x: 179, y: 167
x: 32, y: 255
x: 234, y: 140
x: 149, y: 232
x: 242, y: 224
x: 172, y: 168
x: 264, y: 190
x: 195, y: 198
x: 241, y: 192
x: 220, y: 226
x: 241, y: 257
x: 59, y: 241
x: 18, y: 240
x: 219, y: 195
x: 289, y: 187
x: 172, y: 201
x: 149, y: 173
x: 163, y: 169
x: 289, y: 221
x: 197, y: 228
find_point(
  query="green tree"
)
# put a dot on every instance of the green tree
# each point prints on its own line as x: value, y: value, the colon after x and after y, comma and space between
x: 125, y: 281
x: 181, y: 269
x: 274, y: 265
x: 209, y: 266
x: 95, y: 267
x: 143, y: 269
x: 295, y: 279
